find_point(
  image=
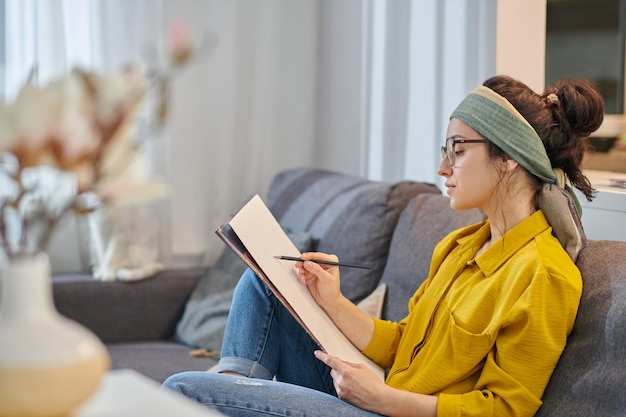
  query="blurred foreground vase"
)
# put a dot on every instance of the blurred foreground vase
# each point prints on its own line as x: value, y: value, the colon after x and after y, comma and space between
x: 49, y: 364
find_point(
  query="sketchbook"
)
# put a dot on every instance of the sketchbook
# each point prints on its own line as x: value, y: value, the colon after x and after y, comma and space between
x: 256, y: 236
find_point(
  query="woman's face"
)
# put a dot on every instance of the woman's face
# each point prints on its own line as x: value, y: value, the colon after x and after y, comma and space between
x: 470, y: 183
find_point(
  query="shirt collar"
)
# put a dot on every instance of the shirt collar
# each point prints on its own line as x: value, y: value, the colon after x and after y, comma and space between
x: 500, y: 251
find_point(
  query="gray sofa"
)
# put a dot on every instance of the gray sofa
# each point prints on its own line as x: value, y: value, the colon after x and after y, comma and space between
x: 153, y: 325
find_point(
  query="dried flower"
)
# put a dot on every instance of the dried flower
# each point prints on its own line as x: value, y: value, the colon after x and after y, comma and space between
x: 179, y: 43
x: 75, y: 138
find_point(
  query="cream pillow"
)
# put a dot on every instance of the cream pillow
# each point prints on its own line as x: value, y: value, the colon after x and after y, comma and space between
x: 372, y: 305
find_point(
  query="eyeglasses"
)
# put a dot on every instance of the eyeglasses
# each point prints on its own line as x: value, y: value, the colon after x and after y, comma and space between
x: 448, y: 152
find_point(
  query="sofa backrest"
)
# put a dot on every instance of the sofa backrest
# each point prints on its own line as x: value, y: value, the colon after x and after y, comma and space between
x: 348, y: 216
x: 426, y: 220
x: 590, y: 377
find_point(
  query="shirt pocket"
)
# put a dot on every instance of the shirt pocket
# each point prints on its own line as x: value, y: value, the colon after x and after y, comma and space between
x: 469, y: 348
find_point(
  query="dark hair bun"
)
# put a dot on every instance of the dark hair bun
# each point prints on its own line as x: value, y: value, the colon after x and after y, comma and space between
x: 581, y: 104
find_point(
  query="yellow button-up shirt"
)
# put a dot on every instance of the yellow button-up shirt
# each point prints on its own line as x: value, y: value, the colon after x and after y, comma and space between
x: 485, y: 333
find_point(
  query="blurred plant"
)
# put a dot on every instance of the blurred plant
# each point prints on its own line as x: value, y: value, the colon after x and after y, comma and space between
x: 74, y: 139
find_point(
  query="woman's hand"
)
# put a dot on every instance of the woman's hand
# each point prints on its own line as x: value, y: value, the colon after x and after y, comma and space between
x: 356, y: 383
x: 321, y: 280
x: 359, y: 386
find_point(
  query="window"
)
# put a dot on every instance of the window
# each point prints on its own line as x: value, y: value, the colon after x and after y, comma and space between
x: 585, y: 39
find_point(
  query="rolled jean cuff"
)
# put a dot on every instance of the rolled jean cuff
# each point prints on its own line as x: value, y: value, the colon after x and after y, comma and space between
x: 243, y: 366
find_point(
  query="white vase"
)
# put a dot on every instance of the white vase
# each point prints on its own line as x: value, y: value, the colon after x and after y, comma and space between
x: 48, y: 364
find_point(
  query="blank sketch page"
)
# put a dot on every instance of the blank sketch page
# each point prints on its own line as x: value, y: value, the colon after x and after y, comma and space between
x: 264, y: 238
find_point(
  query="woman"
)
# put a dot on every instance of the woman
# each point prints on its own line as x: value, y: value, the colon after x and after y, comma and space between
x: 486, y: 329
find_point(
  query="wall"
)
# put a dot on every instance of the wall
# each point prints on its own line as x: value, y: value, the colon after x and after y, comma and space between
x: 520, y: 41
x: 339, y: 112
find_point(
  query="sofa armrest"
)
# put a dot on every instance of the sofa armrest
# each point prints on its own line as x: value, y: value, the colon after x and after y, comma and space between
x: 126, y: 311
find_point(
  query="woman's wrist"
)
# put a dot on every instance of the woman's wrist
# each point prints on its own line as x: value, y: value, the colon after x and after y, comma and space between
x: 336, y: 305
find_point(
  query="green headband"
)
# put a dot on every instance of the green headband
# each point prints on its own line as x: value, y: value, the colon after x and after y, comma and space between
x: 496, y: 119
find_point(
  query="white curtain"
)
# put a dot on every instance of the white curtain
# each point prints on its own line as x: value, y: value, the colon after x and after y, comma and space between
x: 53, y: 36
x: 239, y: 115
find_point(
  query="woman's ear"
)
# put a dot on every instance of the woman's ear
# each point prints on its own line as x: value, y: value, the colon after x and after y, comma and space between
x: 509, y: 163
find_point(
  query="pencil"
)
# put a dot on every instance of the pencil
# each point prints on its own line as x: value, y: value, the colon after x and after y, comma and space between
x: 317, y: 261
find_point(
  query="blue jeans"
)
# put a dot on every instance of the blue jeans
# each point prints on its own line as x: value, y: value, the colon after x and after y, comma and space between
x: 263, y: 341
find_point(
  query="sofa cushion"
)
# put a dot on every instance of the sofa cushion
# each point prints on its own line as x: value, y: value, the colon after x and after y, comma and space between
x: 157, y: 359
x: 426, y: 220
x: 126, y: 311
x: 589, y: 378
x: 348, y: 216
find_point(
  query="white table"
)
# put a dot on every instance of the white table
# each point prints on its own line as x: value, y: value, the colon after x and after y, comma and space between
x: 127, y: 393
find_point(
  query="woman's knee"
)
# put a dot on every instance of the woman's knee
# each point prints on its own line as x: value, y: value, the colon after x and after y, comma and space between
x: 192, y: 384
x: 250, y: 284
x: 177, y: 382
x: 248, y: 278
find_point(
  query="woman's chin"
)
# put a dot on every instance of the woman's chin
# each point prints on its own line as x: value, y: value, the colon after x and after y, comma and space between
x: 458, y: 205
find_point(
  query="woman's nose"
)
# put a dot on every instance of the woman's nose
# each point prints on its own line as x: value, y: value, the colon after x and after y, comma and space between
x: 444, y: 168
